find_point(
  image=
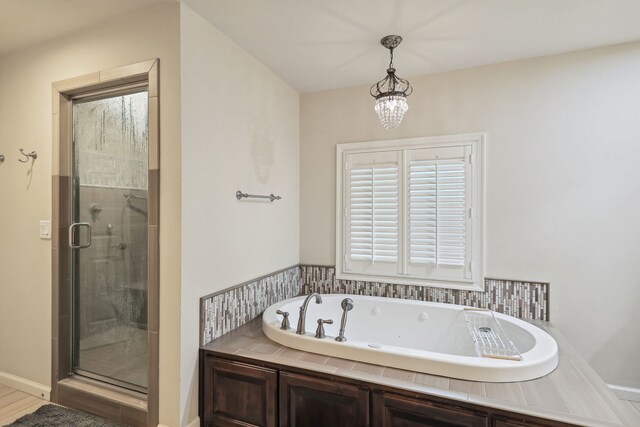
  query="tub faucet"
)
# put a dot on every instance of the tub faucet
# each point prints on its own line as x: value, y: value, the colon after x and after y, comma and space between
x: 303, y: 312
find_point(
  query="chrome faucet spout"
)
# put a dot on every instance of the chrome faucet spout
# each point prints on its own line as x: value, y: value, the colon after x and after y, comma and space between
x: 300, y: 330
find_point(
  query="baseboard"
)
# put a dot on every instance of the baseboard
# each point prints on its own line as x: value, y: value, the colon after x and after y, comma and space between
x: 31, y: 387
x: 626, y: 393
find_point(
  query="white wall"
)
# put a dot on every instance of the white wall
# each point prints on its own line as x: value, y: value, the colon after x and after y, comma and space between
x: 240, y: 131
x: 25, y: 121
x: 562, y: 181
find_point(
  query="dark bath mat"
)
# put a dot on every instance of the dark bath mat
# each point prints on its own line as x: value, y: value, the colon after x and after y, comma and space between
x: 58, y: 416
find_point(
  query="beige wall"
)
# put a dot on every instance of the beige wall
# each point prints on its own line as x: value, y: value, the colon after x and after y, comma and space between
x: 25, y: 195
x: 562, y: 181
x: 240, y: 131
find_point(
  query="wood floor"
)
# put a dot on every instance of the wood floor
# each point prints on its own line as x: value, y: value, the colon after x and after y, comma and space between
x: 15, y: 403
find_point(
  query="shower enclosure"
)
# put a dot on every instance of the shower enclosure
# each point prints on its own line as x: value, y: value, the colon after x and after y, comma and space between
x: 105, y: 250
x: 108, y: 237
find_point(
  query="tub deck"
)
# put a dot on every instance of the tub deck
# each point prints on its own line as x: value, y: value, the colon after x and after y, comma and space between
x: 572, y: 393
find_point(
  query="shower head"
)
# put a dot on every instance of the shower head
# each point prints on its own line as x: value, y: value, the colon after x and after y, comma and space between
x: 347, y: 304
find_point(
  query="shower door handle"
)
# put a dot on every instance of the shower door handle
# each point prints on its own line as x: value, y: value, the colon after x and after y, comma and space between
x: 72, y: 229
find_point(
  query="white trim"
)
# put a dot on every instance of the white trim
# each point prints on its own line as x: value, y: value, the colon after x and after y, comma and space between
x: 625, y: 393
x: 478, y: 182
x: 341, y: 166
x: 448, y: 284
x: 31, y: 387
x: 427, y: 141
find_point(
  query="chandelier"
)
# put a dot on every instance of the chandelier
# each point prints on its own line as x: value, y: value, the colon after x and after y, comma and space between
x: 392, y: 91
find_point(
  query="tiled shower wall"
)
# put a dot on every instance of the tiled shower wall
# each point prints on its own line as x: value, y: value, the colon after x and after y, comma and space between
x: 111, y: 160
x: 113, y: 271
x: 111, y: 137
x: 231, y: 308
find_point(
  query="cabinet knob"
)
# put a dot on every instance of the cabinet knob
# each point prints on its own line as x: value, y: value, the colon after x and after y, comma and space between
x: 285, y: 319
x: 320, y: 331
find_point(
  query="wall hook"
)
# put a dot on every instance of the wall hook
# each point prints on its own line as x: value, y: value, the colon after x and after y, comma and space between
x: 1, y: 158
x: 32, y: 154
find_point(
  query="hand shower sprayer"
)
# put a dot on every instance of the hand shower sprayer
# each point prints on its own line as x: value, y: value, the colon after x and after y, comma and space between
x: 347, y: 305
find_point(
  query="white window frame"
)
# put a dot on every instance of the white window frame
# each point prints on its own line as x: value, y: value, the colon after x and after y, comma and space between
x: 476, y: 143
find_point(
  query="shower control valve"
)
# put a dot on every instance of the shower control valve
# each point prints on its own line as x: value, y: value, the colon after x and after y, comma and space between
x: 320, y: 331
x: 285, y: 319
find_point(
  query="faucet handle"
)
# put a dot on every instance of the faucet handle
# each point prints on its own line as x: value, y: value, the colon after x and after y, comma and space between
x: 285, y: 319
x: 320, y: 331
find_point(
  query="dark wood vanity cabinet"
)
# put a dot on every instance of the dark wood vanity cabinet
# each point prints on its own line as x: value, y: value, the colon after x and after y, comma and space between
x: 309, y: 401
x: 390, y: 409
x: 239, y: 393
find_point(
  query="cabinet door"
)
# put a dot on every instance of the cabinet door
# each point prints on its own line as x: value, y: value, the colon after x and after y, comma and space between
x: 239, y: 394
x: 308, y: 401
x: 390, y: 410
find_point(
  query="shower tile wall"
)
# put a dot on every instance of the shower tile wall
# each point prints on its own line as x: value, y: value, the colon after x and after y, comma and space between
x: 111, y: 159
x: 114, y: 268
x: 114, y: 151
x: 226, y: 310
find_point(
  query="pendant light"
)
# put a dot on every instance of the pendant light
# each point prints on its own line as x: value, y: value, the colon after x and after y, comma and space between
x: 392, y: 91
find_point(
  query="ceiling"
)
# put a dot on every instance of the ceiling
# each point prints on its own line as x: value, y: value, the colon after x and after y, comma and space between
x: 28, y: 22
x: 326, y: 44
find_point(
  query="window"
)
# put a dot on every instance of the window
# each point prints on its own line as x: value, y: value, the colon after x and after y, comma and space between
x: 410, y: 211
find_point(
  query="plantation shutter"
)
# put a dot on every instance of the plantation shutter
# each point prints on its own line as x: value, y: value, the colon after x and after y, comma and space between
x: 439, y: 212
x: 372, y: 232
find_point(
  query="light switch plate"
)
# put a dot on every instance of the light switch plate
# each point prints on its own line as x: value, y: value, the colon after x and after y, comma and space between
x: 45, y: 229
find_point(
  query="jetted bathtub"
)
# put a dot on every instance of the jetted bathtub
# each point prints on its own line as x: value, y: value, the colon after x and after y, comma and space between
x: 441, y: 339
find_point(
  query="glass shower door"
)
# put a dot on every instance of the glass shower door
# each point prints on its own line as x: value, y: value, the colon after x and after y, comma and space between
x: 109, y: 238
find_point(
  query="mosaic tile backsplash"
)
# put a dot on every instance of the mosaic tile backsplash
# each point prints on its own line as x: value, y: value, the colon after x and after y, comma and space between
x: 525, y: 300
x: 231, y: 308
x: 226, y: 310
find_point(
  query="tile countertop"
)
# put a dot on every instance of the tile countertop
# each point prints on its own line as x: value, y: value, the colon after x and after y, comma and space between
x: 572, y: 393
